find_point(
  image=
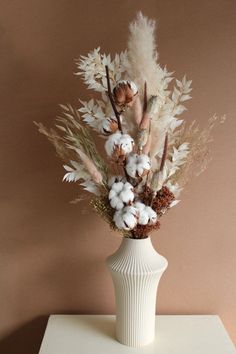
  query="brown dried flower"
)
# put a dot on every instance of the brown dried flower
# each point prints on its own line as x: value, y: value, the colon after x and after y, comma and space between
x: 142, y: 231
x: 146, y: 195
x: 162, y: 200
x: 160, y: 204
x: 124, y: 93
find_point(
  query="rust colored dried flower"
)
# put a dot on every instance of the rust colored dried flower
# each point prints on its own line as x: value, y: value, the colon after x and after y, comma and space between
x: 142, y: 231
x: 146, y: 195
x: 124, y: 93
x: 162, y: 200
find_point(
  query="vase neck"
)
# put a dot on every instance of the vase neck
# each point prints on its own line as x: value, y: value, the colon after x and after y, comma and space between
x: 137, y: 256
x: 140, y: 245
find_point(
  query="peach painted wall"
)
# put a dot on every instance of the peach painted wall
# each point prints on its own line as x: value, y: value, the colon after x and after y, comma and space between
x: 51, y: 252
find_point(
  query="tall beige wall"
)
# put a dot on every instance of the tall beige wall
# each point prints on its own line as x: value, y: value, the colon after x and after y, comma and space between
x: 51, y: 252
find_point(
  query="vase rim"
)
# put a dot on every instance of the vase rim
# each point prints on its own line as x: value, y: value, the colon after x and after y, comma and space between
x: 137, y: 239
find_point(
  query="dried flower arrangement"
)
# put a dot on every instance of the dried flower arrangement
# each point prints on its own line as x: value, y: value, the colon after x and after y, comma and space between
x: 152, y: 153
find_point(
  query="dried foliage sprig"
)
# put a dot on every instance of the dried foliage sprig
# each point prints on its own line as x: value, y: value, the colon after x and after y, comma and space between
x: 152, y: 153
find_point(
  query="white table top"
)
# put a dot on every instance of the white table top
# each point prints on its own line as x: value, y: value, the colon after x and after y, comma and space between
x: 94, y: 334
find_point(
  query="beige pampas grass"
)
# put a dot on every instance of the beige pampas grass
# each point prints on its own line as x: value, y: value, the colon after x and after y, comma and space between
x: 142, y: 54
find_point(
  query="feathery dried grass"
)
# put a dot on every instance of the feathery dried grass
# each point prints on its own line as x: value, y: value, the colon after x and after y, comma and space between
x: 58, y: 142
x: 71, y: 135
x: 199, y: 149
x: 142, y: 54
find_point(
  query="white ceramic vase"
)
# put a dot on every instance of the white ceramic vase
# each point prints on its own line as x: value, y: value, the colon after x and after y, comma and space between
x: 136, y: 269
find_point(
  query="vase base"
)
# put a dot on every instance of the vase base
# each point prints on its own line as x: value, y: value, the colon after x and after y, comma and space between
x: 135, y: 343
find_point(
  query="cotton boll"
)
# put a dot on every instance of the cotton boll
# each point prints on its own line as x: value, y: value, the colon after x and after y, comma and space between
x: 139, y: 206
x: 131, y: 165
x: 152, y: 215
x: 130, y: 219
x: 121, y: 194
x: 112, y: 194
x: 126, y: 196
x: 118, y: 145
x: 116, y: 203
x: 146, y: 215
x: 138, y: 165
x: 126, y: 218
x: 143, y: 218
x: 124, y: 93
x: 128, y: 186
x: 134, y: 87
x: 111, y: 142
x: 114, y: 179
x: 117, y: 187
x: 108, y: 125
x: 126, y: 143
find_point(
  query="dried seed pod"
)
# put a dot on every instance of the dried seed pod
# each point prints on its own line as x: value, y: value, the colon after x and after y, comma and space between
x: 142, y: 138
x: 138, y: 110
x: 158, y: 178
x: 124, y: 93
x: 152, y: 105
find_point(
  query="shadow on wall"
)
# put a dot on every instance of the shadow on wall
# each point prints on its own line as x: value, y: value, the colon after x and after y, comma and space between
x: 28, y: 337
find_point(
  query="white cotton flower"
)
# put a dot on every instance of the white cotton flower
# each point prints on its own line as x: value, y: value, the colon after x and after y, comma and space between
x: 146, y: 215
x: 108, y: 125
x: 126, y: 218
x: 121, y: 193
x: 119, y: 143
x: 137, y: 165
x: 114, y: 179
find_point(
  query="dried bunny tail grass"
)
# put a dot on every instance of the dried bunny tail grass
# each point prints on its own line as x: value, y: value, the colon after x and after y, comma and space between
x: 90, y: 167
x: 199, y: 145
x: 142, y: 54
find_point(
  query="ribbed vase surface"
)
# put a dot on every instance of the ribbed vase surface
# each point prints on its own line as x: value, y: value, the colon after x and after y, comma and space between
x: 136, y: 269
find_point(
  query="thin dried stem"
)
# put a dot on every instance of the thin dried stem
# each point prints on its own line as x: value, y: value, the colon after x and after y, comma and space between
x: 145, y: 97
x: 164, y: 154
x: 117, y: 114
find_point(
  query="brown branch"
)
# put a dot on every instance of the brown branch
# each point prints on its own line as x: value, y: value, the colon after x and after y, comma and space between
x: 164, y: 154
x: 145, y: 97
x: 117, y: 114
